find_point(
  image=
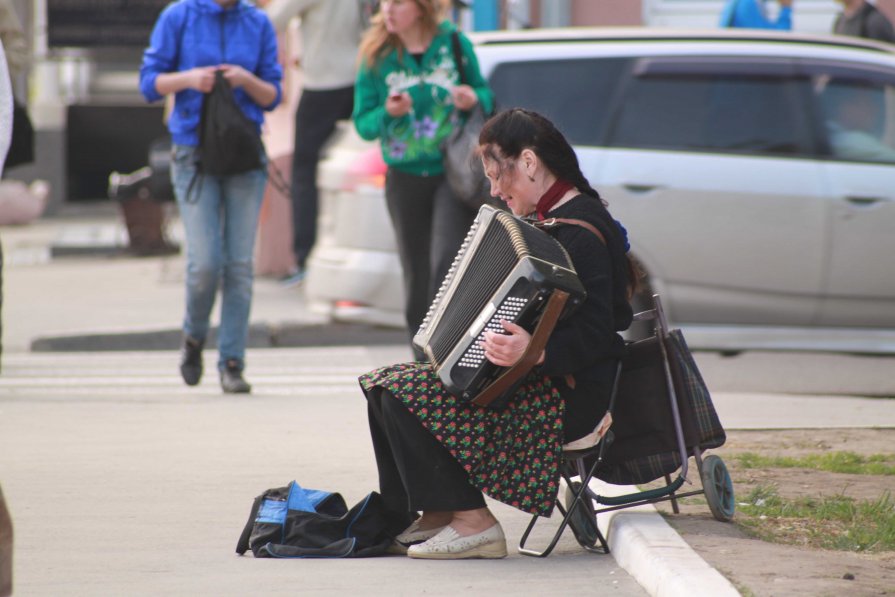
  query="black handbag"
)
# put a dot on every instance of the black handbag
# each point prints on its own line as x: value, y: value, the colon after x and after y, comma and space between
x: 21, y: 147
x: 462, y: 167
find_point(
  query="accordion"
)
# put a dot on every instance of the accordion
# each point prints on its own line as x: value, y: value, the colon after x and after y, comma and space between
x: 506, y: 269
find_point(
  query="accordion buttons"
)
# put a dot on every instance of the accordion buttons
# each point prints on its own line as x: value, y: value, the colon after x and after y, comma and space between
x: 509, y: 310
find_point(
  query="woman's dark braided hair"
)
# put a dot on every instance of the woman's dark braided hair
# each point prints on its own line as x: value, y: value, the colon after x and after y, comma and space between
x: 516, y: 129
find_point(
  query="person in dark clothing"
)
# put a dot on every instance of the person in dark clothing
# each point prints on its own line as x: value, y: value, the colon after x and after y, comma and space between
x: 330, y: 33
x: 437, y: 454
x: 859, y: 18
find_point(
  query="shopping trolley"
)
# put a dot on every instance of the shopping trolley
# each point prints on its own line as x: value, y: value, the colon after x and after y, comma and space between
x: 661, y: 414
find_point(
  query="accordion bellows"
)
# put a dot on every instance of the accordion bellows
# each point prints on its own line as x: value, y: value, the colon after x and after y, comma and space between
x: 506, y: 269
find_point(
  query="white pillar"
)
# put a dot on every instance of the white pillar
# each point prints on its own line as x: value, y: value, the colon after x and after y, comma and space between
x: 556, y: 13
x: 518, y: 14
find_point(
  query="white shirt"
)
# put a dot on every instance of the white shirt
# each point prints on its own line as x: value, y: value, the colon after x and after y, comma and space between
x: 330, y: 33
x: 5, y: 109
x: 858, y: 145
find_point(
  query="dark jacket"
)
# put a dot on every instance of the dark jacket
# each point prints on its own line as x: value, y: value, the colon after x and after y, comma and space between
x: 868, y: 22
x: 587, y: 345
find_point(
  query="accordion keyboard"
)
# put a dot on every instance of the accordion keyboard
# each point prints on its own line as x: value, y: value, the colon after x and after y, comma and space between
x: 508, y: 310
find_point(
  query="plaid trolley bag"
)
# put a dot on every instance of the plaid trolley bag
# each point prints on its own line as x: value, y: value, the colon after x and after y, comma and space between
x: 645, y: 446
x: 661, y: 414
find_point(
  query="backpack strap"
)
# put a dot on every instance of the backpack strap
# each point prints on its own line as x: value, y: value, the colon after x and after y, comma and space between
x: 243, y: 544
x: 865, y: 15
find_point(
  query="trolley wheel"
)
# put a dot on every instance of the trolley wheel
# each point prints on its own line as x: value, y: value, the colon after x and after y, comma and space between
x: 718, y: 488
x: 583, y: 531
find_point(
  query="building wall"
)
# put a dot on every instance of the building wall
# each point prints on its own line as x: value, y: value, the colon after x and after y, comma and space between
x: 888, y: 7
x: 607, y: 12
x: 814, y: 15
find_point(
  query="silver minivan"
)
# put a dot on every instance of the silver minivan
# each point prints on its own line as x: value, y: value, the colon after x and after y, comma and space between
x: 755, y: 172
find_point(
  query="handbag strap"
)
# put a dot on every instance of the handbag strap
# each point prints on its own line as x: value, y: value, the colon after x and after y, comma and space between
x: 243, y: 544
x: 458, y: 56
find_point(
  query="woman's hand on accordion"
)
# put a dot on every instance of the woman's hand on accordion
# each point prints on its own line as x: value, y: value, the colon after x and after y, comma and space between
x: 504, y: 350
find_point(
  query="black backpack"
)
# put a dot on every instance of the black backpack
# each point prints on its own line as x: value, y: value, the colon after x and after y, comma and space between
x: 228, y: 140
x: 294, y: 522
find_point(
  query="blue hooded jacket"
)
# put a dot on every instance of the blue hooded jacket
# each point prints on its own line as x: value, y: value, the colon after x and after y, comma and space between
x: 750, y: 14
x: 191, y: 33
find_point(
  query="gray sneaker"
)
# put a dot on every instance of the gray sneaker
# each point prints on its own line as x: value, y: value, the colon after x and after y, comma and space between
x: 232, y: 381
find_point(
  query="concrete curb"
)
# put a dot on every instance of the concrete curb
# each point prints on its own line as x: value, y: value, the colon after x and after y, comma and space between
x: 661, y: 561
x: 261, y: 335
x: 655, y: 554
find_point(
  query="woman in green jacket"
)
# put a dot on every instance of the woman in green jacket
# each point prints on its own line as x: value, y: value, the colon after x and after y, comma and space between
x: 408, y: 95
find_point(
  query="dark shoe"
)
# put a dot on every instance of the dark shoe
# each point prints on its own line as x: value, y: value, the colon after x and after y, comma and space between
x: 191, y: 360
x: 411, y: 536
x: 232, y: 381
x: 294, y: 278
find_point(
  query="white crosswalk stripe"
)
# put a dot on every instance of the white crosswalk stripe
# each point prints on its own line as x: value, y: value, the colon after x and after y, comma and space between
x: 300, y: 372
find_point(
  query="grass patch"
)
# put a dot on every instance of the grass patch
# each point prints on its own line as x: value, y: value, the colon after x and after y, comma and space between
x: 834, y: 462
x: 829, y: 522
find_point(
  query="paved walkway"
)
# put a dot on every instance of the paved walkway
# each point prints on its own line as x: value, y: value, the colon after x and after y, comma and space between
x: 122, y: 481
x: 143, y: 483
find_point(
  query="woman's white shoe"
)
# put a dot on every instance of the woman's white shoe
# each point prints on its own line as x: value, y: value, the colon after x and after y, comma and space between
x: 449, y: 545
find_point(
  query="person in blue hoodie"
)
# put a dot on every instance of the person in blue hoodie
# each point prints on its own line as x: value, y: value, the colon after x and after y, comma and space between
x: 751, y: 14
x: 191, y: 41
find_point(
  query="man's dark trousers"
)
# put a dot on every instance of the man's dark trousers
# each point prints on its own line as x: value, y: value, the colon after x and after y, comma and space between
x: 315, y: 120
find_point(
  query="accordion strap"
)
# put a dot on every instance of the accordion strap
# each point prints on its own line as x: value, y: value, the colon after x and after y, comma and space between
x: 529, y: 359
x: 551, y: 222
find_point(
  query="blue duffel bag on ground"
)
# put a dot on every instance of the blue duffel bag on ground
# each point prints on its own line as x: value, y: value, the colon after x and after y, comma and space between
x: 294, y: 522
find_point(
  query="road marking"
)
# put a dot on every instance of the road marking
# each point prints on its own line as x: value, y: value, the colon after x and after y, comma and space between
x: 153, y: 375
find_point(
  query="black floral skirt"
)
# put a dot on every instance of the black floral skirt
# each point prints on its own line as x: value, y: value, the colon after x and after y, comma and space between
x: 512, y: 454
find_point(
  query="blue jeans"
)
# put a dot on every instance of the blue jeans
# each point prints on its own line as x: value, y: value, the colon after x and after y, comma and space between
x: 220, y: 219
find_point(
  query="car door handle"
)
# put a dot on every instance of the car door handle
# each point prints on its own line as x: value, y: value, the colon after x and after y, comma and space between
x: 863, y: 201
x: 639, y: 188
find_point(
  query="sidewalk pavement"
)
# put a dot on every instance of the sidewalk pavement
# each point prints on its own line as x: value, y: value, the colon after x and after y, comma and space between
x: 100, y: 300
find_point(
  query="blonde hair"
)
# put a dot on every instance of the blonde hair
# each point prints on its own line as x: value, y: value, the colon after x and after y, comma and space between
x: 377, y: 41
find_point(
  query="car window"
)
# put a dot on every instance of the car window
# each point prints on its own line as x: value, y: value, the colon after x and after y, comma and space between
x: 856, y: 106
x: 720, y: 106
x: 574, y: 94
